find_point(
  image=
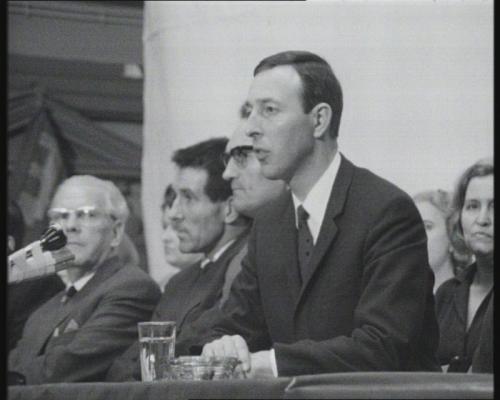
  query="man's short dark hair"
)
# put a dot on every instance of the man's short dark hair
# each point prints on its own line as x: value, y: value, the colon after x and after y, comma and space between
x: 207, y: 155
x: 15, y: 224
x: 319, y: 83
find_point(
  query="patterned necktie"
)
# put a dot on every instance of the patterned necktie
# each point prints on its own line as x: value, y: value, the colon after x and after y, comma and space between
x: 70, y: 292
x: 305, y: 240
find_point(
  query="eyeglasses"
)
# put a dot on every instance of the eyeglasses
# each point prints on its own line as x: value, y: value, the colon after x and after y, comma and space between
x: 239, y: 154
x: 87, y: 215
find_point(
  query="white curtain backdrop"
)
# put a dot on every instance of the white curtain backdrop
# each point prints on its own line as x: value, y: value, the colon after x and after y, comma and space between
x: 417, y: 79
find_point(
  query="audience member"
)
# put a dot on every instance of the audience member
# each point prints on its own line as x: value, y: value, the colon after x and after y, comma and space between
x: 205, y: 221
x: 463, y: 301
x: 24, y: 297
x: 350, y: 289
x: 76, y: 335
x: 173, y: 255
x: 251, y: 190
x: 444, y: 259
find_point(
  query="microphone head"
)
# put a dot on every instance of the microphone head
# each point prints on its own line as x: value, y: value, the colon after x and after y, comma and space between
x: 53, y: 238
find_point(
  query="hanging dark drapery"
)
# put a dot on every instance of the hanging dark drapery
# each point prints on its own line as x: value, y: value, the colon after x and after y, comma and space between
x: 47, y: 141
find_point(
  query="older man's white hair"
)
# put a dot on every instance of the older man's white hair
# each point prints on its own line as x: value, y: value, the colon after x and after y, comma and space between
x: 115, y: 203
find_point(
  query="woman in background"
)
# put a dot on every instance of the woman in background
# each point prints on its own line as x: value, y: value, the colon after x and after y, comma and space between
x: 445, y: 255
x: 463, y: 301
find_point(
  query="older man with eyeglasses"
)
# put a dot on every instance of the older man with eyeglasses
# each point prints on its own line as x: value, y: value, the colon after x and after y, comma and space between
x: 75, y: 336
x: 251, y: 189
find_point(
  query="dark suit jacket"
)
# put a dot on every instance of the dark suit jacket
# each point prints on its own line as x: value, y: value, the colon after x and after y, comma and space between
x: 367, y: 303
x: 25, y: 297
x: 482, y: 361
x: 96, y: 325
x: 458, y: 344
x: 190, y: 298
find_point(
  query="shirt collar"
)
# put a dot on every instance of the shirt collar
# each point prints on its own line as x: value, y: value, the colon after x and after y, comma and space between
x: 217, y: 254
x: 80, y: 282
x: 316, y: 200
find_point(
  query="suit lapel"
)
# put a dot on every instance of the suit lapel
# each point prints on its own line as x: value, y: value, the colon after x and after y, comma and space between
x: 53, y: 313
x: 59, y: 312
x: 194, y: 298
x: 329, y: 229
x: 211, y: 276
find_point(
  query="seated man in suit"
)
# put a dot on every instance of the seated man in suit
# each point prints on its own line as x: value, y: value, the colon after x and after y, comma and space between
x: 251, y: 189
x: 76, y: 334
x: 205, y: 221
x: 336, y: 277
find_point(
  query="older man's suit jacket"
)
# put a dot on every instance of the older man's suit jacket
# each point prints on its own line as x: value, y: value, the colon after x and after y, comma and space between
x: 25, y: 297
x: 77, y: 340
x: 366, y: 303
x: 190, y: 298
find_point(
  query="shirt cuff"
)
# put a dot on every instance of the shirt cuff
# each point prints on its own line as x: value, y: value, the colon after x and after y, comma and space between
x: 274, y: 367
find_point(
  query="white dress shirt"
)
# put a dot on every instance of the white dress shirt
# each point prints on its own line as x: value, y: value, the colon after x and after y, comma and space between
x: 217, y: 254
x: 316, y: 200
x: 80, y: 282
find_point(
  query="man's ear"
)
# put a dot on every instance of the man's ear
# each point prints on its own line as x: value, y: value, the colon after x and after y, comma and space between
x: 322, y: 115
x: 230, y: 214
x: 118, y: 232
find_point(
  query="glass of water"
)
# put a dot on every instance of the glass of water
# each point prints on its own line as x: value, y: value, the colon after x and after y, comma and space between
x: 157, y: 349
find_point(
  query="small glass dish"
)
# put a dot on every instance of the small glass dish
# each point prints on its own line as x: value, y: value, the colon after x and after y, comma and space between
x: 198, y: 368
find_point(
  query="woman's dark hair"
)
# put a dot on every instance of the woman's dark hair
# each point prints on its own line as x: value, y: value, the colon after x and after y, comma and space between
x: 168, y: 197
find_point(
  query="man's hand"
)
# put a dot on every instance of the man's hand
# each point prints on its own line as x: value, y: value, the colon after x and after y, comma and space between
x: 261, y: 365
x: 229, y: 346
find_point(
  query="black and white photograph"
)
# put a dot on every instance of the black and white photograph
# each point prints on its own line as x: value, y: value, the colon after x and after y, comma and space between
x: 292, y: 198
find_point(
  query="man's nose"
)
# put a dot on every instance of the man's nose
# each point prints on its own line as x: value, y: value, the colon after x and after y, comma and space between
x: 229, y: 172
x: 252, y: 126
x: 71, y: 223
x: 175, y: 212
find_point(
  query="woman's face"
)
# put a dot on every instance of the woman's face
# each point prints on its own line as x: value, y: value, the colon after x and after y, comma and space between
x: 171, y: 246
x: 477, y: 216
x: 438, y: 242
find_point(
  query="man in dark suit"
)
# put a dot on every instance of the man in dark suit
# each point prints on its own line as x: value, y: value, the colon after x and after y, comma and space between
x: 336, y: 278
x: 76, y: 334
x: 203, y: 216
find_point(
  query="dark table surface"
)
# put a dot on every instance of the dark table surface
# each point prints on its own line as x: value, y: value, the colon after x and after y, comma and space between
x: 334, y: 386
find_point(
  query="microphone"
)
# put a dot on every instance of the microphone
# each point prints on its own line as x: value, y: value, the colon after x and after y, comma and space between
x: 42, y: 257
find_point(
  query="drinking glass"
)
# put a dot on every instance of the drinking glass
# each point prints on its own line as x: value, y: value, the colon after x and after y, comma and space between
x: 157, y: 349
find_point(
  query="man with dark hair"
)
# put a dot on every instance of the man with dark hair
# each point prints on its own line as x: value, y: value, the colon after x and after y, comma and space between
x: 204, y: 218
x: 336, y: 277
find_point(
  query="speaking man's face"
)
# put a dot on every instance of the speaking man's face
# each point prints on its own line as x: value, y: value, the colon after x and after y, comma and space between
x: 281, y: 132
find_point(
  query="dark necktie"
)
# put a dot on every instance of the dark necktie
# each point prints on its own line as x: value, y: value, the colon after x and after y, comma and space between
x: 70, y: 292
x: 305, y: 240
